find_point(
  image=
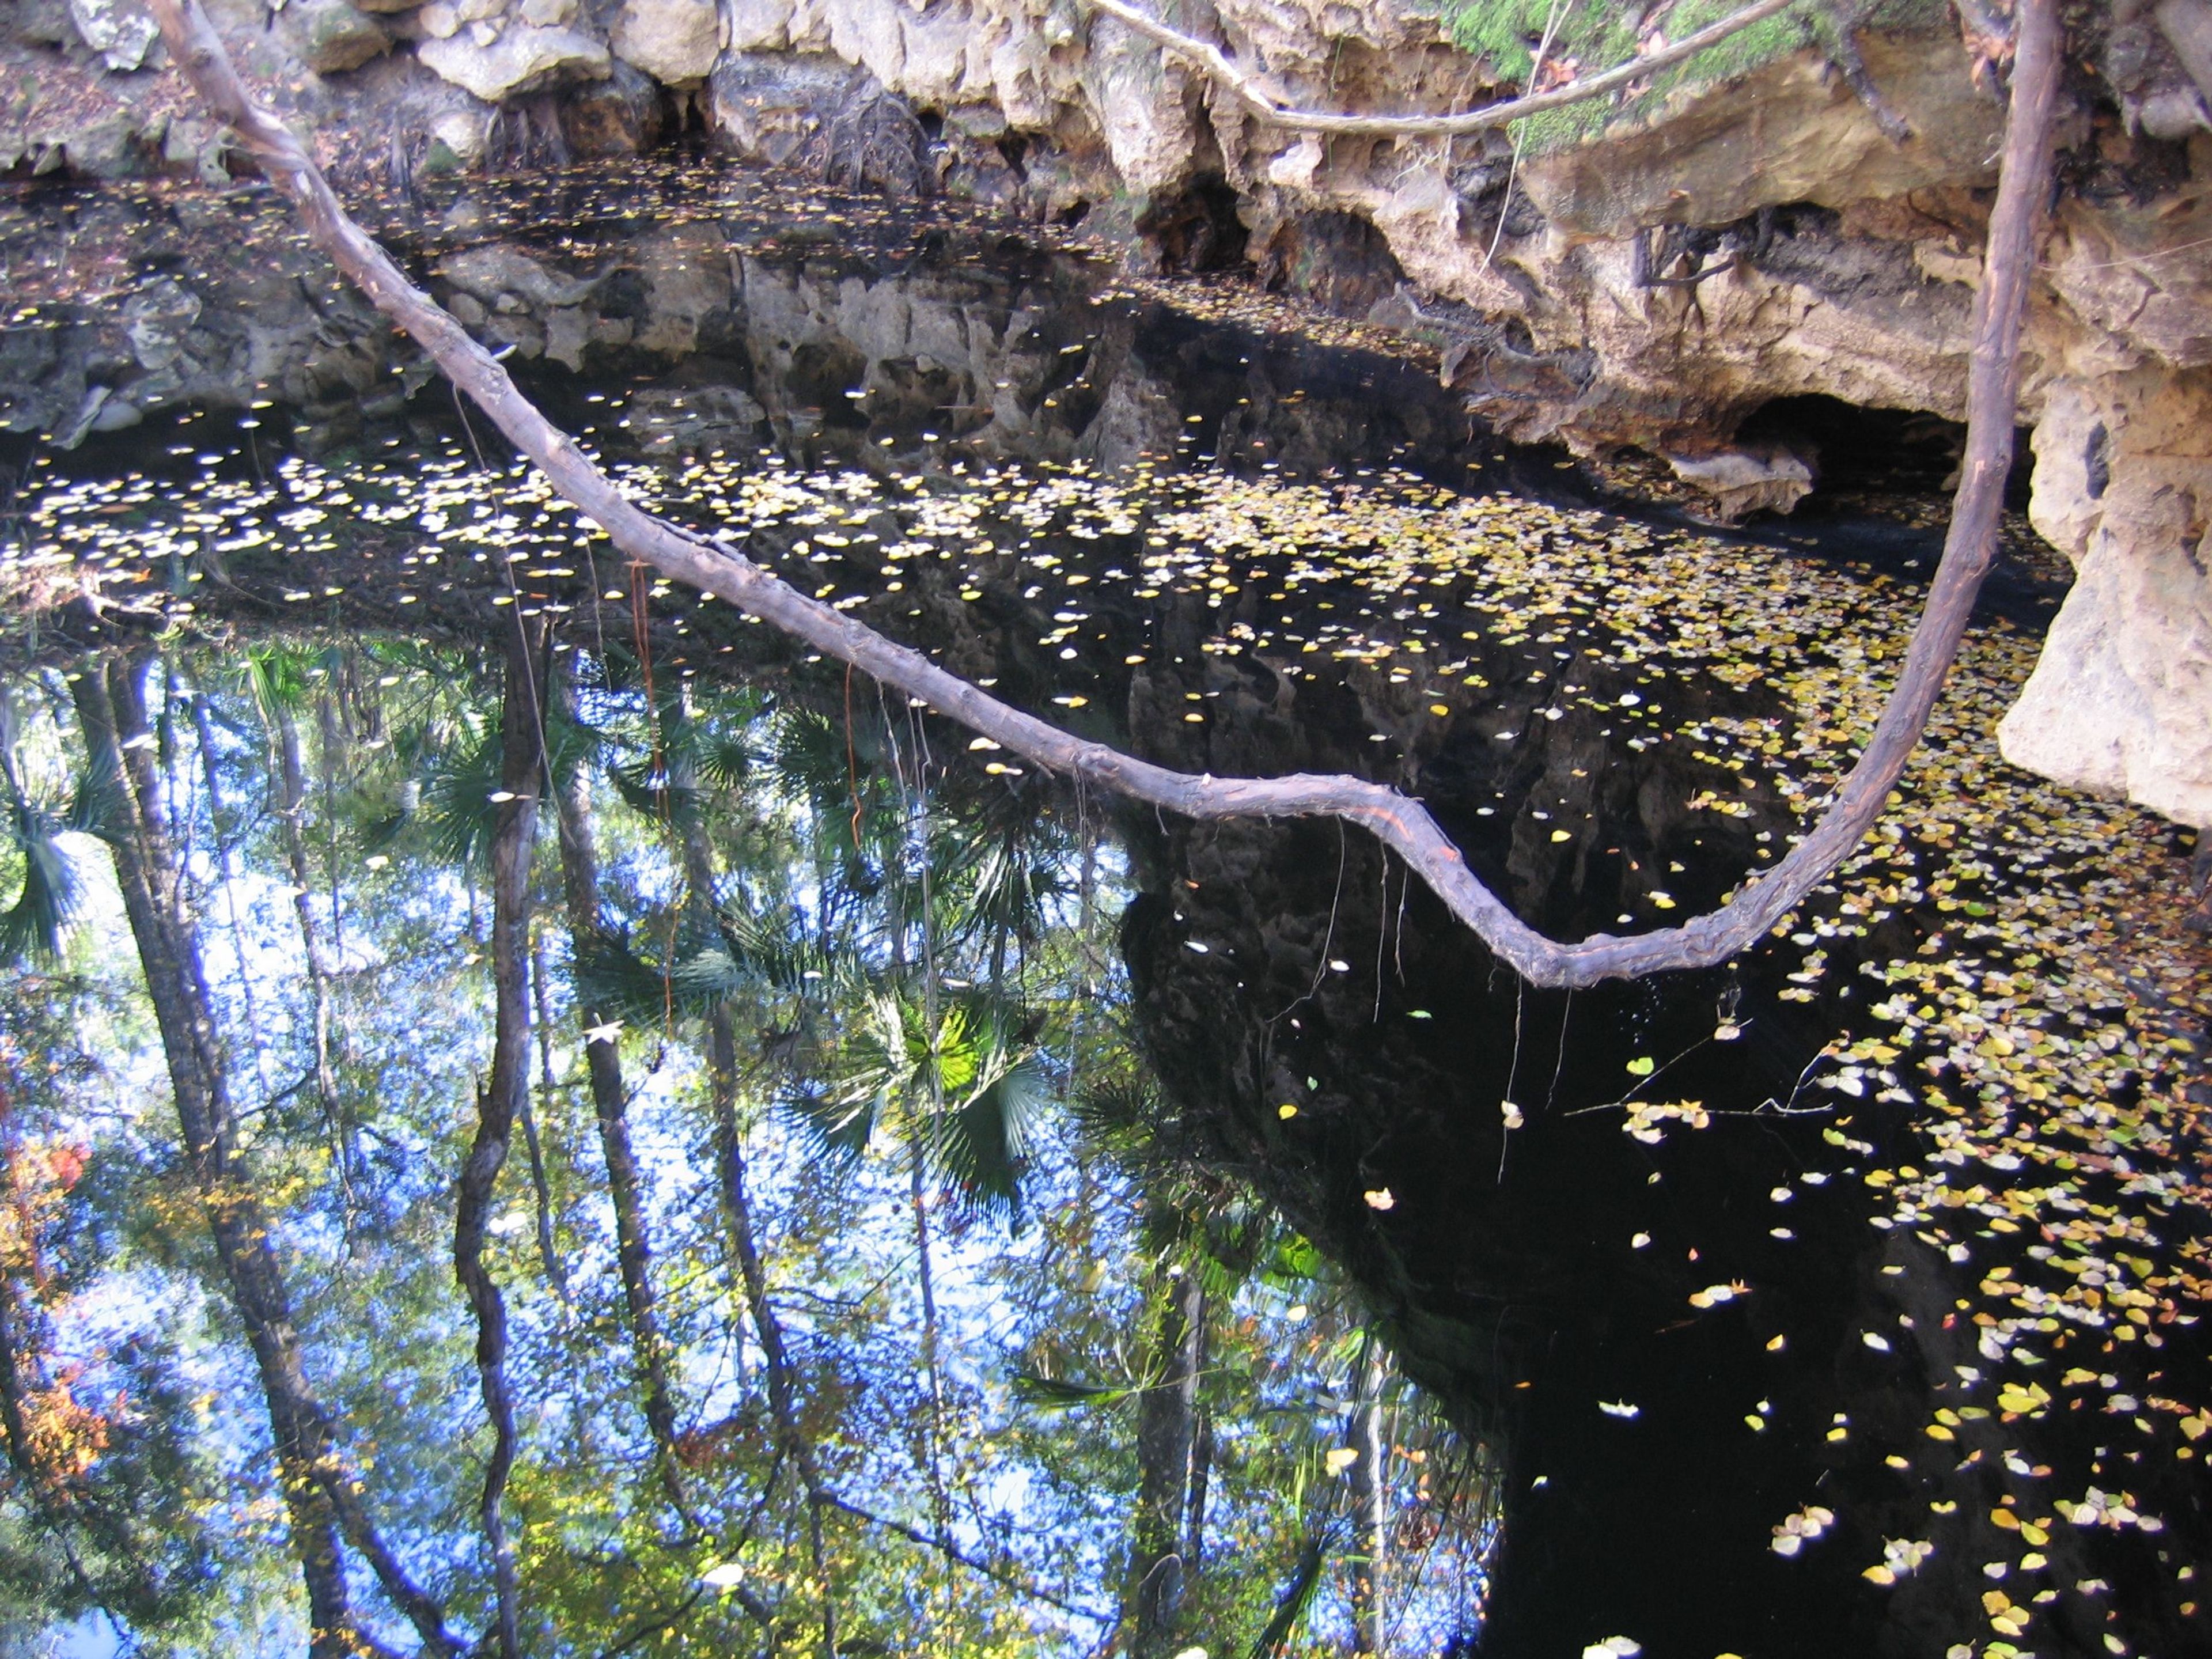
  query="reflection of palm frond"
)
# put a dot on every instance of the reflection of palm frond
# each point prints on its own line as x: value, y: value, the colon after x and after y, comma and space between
x: 275, y: 676
x: 1297, y: 1594
x: 842, y: 1126
x: 777, y: 951
x: 1057, y: 1394
x: 965, y: 1104
x: 53, y: 885
x: 612, y: 978
x: 1119, y: 1115
x: 52, y: 891
x: 648, y: 792
x: 458, y: 814
x: 97, y: 805
x: 727, y: 759
x: 985, y: 1156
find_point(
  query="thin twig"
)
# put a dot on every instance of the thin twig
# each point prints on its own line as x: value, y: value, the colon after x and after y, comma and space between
x: 952, y: 1552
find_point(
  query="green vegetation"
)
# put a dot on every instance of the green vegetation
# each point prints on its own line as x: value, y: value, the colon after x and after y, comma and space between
x: 1592, y: 35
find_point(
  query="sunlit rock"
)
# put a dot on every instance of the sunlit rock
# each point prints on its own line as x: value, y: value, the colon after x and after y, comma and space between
x: 123, y: 32
x: 518, y: 59
x: 1740, y: 480
x: 2119, y: 700
x: 674, y: 41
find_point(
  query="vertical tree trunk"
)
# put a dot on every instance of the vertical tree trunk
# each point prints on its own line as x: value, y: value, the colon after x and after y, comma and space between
x: 321, y: 970
x: 1370, y: 1493
x: 499, y: 1098
x: 226, y: 874
x: 579, y: 885
x: 1167, y: 1428
x: 548, y: 1254
x: 319, y: 1495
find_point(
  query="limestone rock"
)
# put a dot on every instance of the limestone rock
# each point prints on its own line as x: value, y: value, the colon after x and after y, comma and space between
x: 522, y: 59
x: 2119, y: 701
x: 674, y: 41
x: 462, y: 133
x: 121, y: 31
x: 1812, y: 140
x: 818, y: 114
x: 332, y: 36
x: 1744, y: 480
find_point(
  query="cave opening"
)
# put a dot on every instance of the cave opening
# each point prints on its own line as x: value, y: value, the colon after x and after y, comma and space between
x: 1197, y: 228
x: 1858, y: 450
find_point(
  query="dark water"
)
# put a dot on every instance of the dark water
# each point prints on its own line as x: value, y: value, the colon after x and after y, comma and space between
x: 1835, y: 1353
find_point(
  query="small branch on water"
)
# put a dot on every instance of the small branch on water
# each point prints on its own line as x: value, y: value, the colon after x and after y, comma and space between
x: 1401, y: 822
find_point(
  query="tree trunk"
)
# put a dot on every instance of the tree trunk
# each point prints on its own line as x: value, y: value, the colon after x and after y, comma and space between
x: 1167, y: 1439
x: 498, y: 1100
x: 1371, y: 1496
x: 738, y: 1215
x: 291, y: 808
x: 548, y: 1254
x: 227, y: 875
x: 319, y: 1495
x: 579, y: 885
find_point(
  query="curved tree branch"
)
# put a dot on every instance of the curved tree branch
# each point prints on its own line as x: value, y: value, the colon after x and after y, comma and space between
x: 1398, y: 821
x: 1249, y: 91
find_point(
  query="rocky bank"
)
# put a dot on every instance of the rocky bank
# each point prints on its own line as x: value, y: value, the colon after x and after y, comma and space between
x: 1713, y: 276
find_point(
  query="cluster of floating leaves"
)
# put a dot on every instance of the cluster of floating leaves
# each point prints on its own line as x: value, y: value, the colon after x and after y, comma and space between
x: 2001, y: 957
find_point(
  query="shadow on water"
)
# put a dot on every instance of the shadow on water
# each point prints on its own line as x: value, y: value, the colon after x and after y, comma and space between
x: 1676, y: 1330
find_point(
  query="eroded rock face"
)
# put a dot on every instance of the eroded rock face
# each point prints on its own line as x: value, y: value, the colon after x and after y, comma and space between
x: 1800, y: 231
x: 2124, y: 485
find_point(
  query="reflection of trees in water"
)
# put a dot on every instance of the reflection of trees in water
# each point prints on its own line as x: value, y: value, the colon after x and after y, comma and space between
x: 802, y: 999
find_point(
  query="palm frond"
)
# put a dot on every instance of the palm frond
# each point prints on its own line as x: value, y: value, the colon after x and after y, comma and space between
x: 649, y: 792
x: 458, y: 814
x: 841, y: 1125
x: 36, y: 923
x: 1298, y: 1596
x: 607, y: 976
x: 97, y: 805
x: 1058, y: 1394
